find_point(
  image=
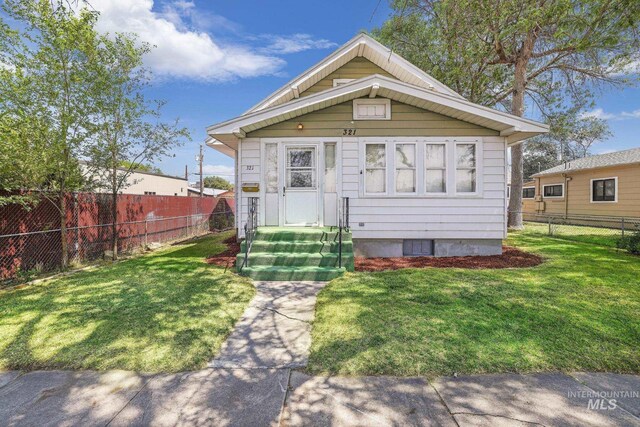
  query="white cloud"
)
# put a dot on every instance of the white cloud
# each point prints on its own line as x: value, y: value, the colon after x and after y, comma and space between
x: 219, y: 170
x: 180, y: 51
x: 599, y: 113
x: 295, y: 43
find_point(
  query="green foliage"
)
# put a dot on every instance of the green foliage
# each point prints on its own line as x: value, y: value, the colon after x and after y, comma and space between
x: 165, y: 311
x: 631, y: 242
x: 217, y: 182
x: 140, y: 167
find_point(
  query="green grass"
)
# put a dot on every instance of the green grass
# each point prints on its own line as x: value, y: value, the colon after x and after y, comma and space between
x: 580, y: 310
x: 163, y: 312
x: 578, y: 233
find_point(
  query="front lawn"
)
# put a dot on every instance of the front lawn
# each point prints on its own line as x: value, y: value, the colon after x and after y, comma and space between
x: 580, y: 310
x: 166, y: 311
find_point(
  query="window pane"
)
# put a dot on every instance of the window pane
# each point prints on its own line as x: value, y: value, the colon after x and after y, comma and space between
x: 466, y: 155
x: 406, y: 181
x: 405, y: 155
x: 435, y: 156
x: 435, y: 181
x: 301, y: 158
x: 375, y: 155
x: 271, y: 169
x: 610, y: 188
x: 375, y: 181
x: 465, y: 181
x: 528, y: 193
x: 300, y: 178
x: 330, y: 168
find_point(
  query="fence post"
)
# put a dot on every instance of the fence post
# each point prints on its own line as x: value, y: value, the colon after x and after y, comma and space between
x: 146, y: 233
x: 549, y: 226
x: 622, y: 228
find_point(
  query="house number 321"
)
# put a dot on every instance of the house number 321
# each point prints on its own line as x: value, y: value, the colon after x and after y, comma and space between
x: 348, y: 132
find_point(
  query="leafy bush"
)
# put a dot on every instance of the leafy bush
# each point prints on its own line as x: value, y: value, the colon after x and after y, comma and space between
x: 631, y: 243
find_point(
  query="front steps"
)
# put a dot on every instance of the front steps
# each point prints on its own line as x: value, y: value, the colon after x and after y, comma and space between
x: 279, y: 253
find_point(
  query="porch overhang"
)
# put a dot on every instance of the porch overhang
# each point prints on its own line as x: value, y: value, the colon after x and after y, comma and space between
x: 513, y: 128
x: 230, y: 149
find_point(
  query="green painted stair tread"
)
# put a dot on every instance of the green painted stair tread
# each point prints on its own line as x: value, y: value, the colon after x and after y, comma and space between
x: 280, y: 273
x: 298, y: 247
x: 297, y: 259
x: 300, y: 234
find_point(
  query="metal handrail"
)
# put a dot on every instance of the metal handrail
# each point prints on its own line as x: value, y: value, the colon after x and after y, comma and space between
x: 250, y: 228
x: 343, y: 224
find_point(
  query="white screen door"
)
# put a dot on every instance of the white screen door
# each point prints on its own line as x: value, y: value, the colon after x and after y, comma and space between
x: 300, y: 189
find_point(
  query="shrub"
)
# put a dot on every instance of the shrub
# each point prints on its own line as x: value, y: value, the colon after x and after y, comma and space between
x: 631, y: 243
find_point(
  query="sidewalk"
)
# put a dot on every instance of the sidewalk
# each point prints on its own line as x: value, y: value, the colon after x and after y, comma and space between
x: 256, y: 397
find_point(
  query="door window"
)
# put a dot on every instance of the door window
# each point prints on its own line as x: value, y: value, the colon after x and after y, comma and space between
x: 301, y: 167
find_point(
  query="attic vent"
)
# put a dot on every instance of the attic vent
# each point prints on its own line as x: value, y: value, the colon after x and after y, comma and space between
x: 340, y: 82
x: 372, y: 109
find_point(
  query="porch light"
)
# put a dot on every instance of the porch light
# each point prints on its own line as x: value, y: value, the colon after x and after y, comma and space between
x: 300, y: 126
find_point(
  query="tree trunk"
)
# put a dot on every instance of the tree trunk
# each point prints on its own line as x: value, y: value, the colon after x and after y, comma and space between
x: 114, y: 213
x: 64, y: 245
x: 517, y: 151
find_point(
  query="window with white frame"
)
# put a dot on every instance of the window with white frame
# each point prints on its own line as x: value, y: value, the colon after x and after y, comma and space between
x: 528, y: 192
x: 405, y: 168
x: 271, y: 168
x: 553, y: 190
x: 604, y: 190
x: 375, y: 178
x: 372, y: 109
x: 330, y: 168
x: 466, y: 168
x: 435, y: 168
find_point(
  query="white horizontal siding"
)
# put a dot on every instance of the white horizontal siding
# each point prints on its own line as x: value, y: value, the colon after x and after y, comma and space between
x: 250, y: 153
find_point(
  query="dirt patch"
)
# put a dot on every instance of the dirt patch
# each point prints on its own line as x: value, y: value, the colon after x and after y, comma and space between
x: 228, y: 257
x: 511, y: 258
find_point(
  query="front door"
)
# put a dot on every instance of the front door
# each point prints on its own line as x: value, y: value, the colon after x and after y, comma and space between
x: 300, y: 190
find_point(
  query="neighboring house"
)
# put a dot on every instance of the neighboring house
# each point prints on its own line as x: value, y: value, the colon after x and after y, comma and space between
x: 424, y: 170
x: 207, y: 192
x: 150, y: 183
x: 602, y: 185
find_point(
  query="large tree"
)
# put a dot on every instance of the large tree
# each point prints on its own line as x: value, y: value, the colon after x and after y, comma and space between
x: 217, y: 182
x: 48, y: 93
x: 516, y: 53
x: 128, y: 130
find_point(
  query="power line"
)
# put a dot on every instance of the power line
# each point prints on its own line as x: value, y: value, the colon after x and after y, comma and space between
x: 375, y: 9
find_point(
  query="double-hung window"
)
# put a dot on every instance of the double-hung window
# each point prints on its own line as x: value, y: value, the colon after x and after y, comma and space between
x: 465, y: 168
x: 375, y: 169
x: 435, y: 168
x: 405, y: 168
x: 603, y: 190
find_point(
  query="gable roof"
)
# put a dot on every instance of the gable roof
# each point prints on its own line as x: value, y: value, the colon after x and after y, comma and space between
x: 361, y: 45
x: 616, y: 158
x: 510, y: 126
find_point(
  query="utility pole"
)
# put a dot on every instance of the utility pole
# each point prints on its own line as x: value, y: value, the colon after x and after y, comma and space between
x: 186, y: 172
x: 200, y: 159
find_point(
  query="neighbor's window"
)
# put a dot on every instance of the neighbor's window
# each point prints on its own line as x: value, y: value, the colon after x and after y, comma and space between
x: 271, y: 168
x: 330, y: 168
x: 375, y: 168
x: 435, y: 168
x: 555, y: 190
x: 405, y: 168
x: 528, y: 192
x: 465, y: 168
x: 604, y: 190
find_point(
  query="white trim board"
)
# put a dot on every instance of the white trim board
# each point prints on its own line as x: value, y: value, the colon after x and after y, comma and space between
x: 615, y: 200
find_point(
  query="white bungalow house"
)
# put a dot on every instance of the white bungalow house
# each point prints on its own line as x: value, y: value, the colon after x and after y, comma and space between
x: 423, y: 169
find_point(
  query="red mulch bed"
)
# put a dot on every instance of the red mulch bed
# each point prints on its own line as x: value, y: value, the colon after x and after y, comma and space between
x: 228, y: 257
x: 510, y: 258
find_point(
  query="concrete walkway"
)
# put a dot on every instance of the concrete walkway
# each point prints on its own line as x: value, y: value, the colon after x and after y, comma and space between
x: 275, y: 330
x: 270, y: 397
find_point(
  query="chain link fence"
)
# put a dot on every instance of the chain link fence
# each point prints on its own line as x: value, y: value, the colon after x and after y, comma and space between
x: 31, y: 241
x: 600, y: 230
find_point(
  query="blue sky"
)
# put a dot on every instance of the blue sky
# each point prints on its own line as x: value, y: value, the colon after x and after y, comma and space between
x: 215, y: 59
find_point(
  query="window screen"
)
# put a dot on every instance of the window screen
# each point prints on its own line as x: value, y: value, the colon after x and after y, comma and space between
x: 553, y: 190
x: 528, y: 193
